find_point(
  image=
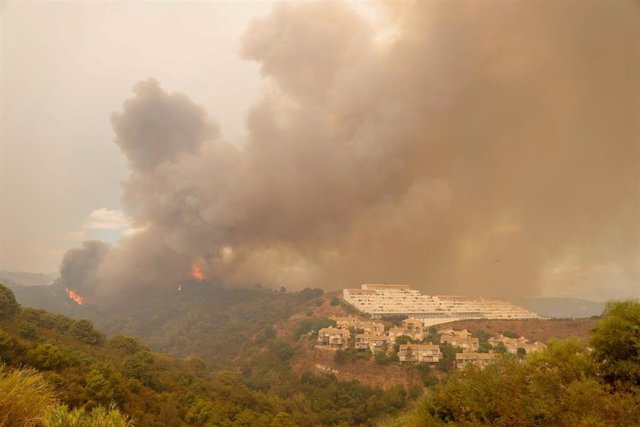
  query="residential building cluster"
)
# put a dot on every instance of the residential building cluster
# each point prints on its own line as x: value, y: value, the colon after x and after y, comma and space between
x: 379, y: 300
x: 371, y: 335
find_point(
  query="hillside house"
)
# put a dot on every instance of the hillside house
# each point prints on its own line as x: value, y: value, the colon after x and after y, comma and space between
x: 347, y: 322
x: 532, y: 347
x: 373, y: 328
x: 511, y: 344
x: 478, y: 359
x: 469, y: 344
x: 413, y: 328
x: 375, y: 343
x: 454, y: 333
x: 333, y: 338
x: 399, y: 331
x: 419, y: 353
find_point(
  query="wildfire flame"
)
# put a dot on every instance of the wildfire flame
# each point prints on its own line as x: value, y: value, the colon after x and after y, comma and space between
x: 197, y: 273
x: 179, y: 288
x: 74, y: 296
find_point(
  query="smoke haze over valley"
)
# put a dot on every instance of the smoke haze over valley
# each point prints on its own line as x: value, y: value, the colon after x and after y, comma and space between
x: 484, y: 148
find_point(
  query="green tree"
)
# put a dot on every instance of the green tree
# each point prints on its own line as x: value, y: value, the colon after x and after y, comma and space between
x: 99, y: 389
x: 84, y: 331
x: 500, y: 348
x: 28, y: 330
x: 47, y: 356
x: 616, y: 342
x: 448, y: 357
x: 126, y: 344
x: 8, y: 304
x: 7, y: 345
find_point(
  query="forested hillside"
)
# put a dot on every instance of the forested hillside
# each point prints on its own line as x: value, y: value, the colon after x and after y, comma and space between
x: 85, y: 369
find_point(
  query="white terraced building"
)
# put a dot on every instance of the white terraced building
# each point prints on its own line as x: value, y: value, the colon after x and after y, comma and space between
x: 400, y: 300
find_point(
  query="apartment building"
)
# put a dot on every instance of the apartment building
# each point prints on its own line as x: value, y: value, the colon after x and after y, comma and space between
x: 380, y: 300
x: 419, y: 353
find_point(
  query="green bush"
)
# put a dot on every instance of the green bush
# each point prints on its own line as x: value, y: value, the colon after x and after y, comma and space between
x: 616, y: 342
x: 25, y: 397
x: 8, y: 304
x: 47, y: 356
x: 84, y: 331
x: 126, y: 344
x: 61, y: 416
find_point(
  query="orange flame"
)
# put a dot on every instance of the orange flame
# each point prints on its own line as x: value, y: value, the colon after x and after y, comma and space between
x: 76, y: 297
x: 197, y: 273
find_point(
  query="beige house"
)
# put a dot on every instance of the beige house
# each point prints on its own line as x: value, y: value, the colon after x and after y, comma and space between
x: 373, y: 328
x: 399, y: 331
x: 333, y: 338
x: 467, y: 344
x: 413, y: 328
x: 419, y: 353
x: 375, y: 343
x: 532, y: 347
x: 454, y: 333
x: 347, y: 322
x: 513, y: 344
x: 478, y: 359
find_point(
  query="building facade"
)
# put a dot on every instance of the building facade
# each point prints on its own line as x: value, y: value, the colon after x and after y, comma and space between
x: 419, y: 353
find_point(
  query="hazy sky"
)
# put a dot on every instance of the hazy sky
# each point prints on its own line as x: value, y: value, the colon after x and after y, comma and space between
x: 66, y: 66
x: 472, y: 147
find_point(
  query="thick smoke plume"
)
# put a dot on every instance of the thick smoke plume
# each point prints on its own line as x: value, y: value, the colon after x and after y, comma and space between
x: 478, y: 147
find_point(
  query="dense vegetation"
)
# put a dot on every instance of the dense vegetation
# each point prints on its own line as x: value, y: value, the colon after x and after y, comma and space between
x: 26, y: 399
x: 235, y: 367
x: 569, y: 384
x: 256, y: 386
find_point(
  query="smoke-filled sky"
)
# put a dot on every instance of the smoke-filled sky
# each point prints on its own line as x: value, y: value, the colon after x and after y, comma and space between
x: 487, y: 148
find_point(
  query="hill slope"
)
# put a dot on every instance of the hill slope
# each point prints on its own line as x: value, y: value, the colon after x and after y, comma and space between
x: 259, y: 388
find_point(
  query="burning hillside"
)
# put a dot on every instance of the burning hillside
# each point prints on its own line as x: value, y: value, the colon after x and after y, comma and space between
x: 74, y: 296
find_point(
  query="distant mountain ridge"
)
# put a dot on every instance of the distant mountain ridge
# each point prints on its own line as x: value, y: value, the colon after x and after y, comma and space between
x: 25, y: 279
x: 561, y: 307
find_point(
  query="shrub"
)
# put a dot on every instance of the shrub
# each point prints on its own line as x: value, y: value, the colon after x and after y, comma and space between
x: 616, y: 342
x: 25, y: 397
x: 28, y: 331
x: 126, y: 344
x: 47, y: 356
x: 61, y: 416
x: 84, y: 331
x: 8, y: 304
